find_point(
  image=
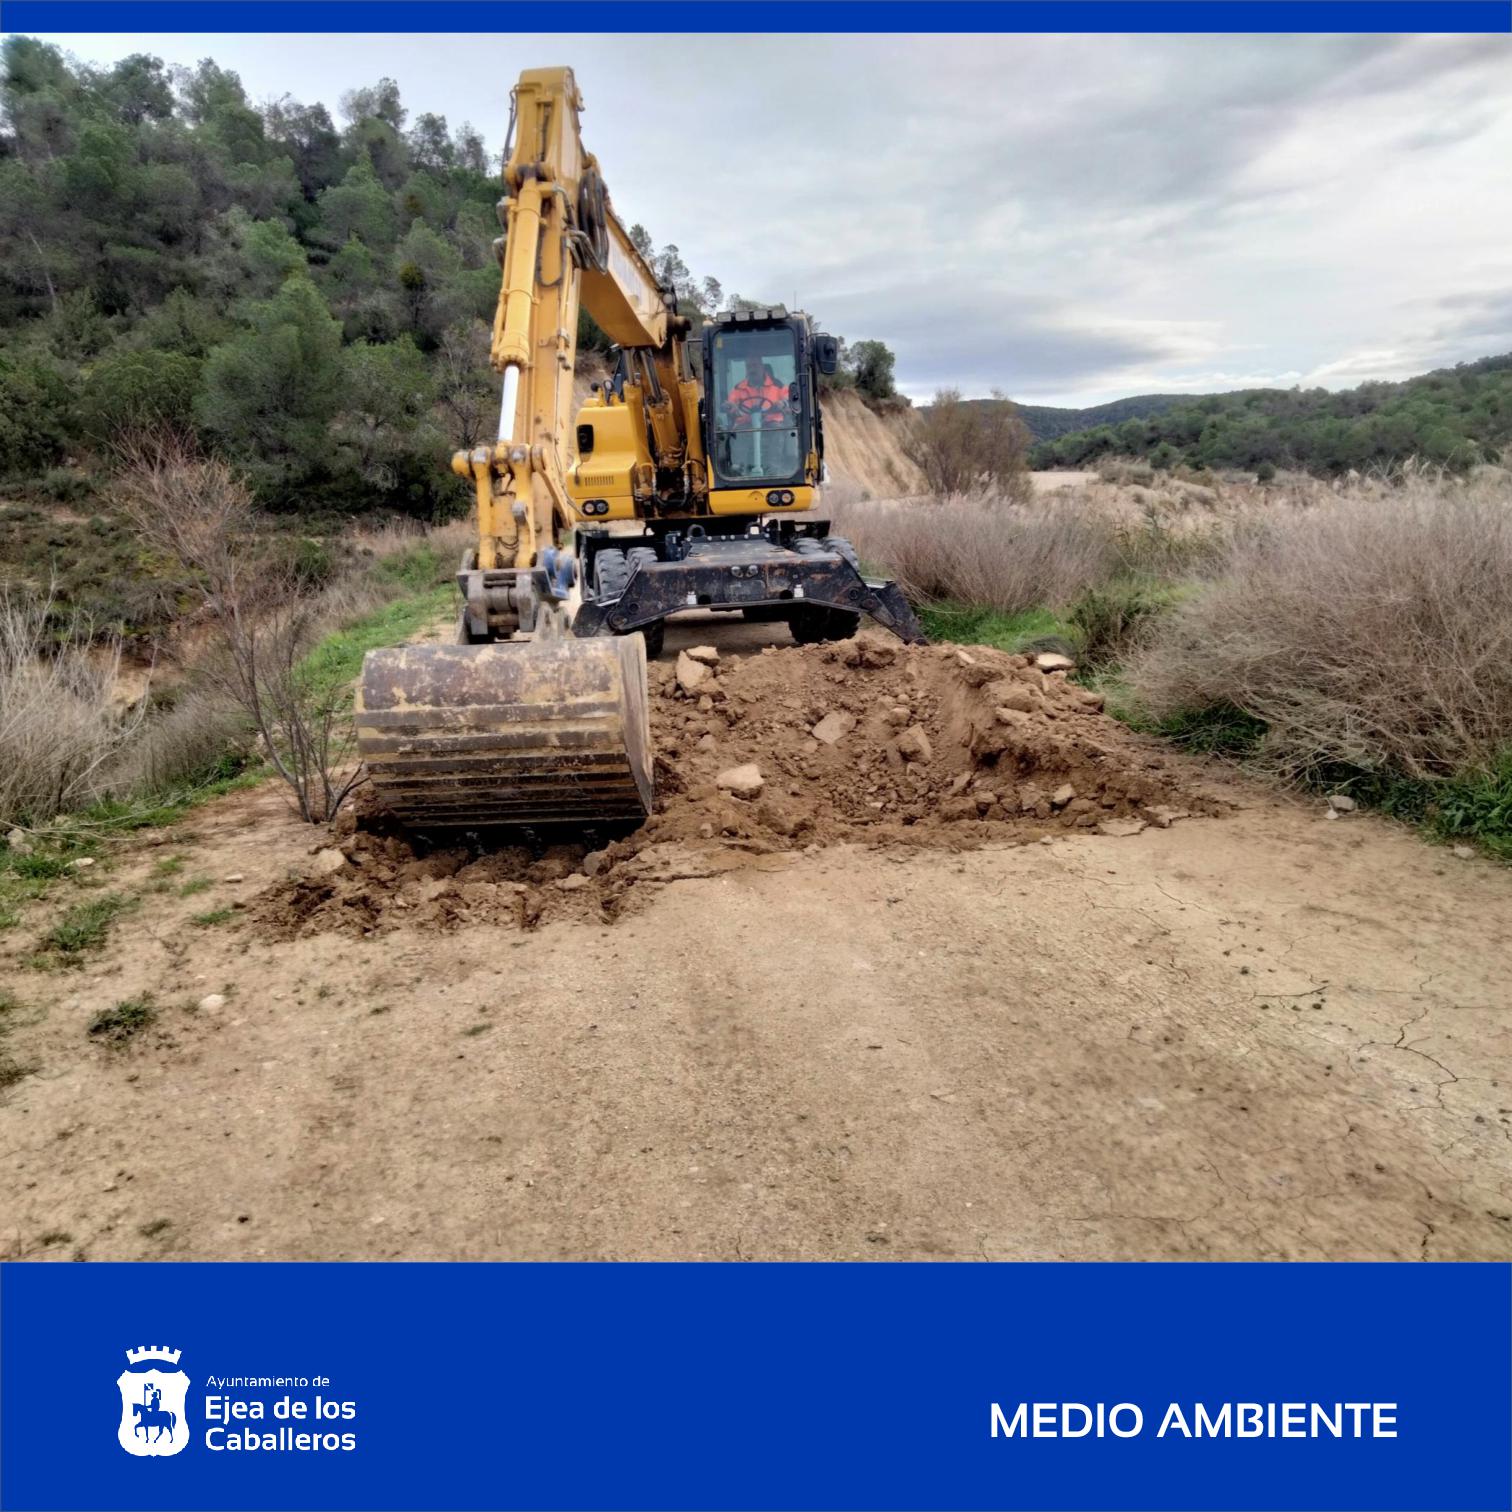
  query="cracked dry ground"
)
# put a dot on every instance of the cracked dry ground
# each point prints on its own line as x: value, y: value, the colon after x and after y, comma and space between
x: 1252, y: 1036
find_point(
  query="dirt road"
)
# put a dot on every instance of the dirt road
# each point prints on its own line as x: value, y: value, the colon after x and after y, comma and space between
x: 1263, y: 1035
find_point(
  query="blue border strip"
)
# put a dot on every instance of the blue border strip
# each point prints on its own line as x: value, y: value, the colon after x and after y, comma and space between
x: 474, y: 16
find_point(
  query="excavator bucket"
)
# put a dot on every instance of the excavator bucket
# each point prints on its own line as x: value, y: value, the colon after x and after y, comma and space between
x: 516, y: 733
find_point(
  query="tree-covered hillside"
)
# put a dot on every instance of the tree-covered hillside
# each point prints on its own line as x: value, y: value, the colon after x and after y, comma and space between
x: 1454, y: 417
x: 308, y: 295
x: 1047, y: 421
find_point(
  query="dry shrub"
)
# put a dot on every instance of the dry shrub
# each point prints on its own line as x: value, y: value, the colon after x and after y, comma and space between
x: 201, y: 512
x: 180, y: 745
x: 1372, y: 633
x: 984, y: 551
x: 59, y: 723
x: 968, y: 446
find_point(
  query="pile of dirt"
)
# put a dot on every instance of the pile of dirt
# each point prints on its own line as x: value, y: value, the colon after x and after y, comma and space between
x: 862, y: 741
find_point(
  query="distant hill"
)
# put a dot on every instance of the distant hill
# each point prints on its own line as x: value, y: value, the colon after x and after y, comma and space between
x: 1454, y: 417
x: 1046, y: 422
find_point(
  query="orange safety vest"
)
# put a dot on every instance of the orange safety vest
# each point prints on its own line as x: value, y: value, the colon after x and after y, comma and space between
x: 744, y: 396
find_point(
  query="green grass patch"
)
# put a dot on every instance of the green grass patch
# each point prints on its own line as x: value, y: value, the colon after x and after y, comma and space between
x: 1476, y: 806
x: 11, y: 1070
x: 973, y: 625
x: 119, y: 1025
x: 84, y: 927
x: 1472, y: 808
x: 195, y: 886
x: 415, y: 571
x: 211, y: 919
x: 337, y: 660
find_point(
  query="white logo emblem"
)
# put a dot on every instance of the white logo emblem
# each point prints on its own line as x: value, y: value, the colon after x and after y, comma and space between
x: 153, y: 1420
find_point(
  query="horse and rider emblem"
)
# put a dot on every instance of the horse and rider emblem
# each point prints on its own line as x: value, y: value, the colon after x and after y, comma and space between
x: 152, y: 1402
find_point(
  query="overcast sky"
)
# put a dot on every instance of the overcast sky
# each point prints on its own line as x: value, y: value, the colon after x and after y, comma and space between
x: 1069, y: 219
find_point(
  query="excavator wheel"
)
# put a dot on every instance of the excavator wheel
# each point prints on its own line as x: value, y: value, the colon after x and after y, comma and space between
x: 514, y: 733
x: 611, y: 572
x: 812, y: 625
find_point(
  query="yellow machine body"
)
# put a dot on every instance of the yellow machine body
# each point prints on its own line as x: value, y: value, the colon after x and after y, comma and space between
x: 528, y: 720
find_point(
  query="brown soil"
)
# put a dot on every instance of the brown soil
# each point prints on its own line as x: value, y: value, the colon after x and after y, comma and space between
x: 1256, y: 1034
x: 938, y: 747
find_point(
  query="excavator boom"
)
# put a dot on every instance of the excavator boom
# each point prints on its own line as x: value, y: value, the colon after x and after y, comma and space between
x: 676, y: 487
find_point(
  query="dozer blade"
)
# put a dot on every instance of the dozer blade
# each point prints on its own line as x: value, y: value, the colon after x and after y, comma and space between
x: 521, y: 733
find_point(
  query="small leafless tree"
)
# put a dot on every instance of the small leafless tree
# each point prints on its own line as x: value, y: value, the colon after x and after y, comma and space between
x: 198, y: 510
x: 967, y: 446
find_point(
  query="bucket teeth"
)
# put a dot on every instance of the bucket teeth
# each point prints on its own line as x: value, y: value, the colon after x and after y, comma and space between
x: 513, y: 733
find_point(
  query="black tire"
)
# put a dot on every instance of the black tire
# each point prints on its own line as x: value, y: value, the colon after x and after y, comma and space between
x: 656, y: 632
x: 806, y: 545
x: 814, y: 624
x: 610, y: 574
x: 846, y: 551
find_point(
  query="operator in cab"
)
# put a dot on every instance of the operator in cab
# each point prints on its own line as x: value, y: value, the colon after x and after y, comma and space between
x: 758, y: 399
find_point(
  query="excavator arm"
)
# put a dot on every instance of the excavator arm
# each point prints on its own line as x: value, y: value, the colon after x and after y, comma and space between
x: 563, y: 247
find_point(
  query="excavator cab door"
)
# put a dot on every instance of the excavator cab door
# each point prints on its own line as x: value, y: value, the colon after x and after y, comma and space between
x: 755, y: 399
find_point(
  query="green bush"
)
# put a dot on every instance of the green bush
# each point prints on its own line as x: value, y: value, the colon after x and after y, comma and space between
x: 135, y: 391
x: 37, y: 417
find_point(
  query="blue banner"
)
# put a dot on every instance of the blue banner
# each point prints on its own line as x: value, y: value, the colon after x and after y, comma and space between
x: 684, y: 1386
x: 501, y: 16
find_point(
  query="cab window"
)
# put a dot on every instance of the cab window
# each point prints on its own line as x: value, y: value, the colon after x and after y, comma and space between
x: 755, y: 405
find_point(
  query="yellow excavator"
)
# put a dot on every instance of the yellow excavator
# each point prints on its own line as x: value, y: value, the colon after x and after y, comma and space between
x: 690, y: 479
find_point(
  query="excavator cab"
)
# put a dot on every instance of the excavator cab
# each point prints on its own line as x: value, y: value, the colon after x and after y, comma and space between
x: 759, y: 380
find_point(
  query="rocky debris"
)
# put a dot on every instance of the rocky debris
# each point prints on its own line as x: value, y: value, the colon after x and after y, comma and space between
x: 932, y: 746
x: 19, y: 841
x: 691, y: 674
x: 1053, y: 661
x: 1341, y: 803
x: 705, y: 654
x: 1464, y: 852
x: 328, y: 861
x: 834, y: 726
x: 212, y: 1001
x: 914, y: 744
x: 744, y: 781
x: 83, y: 863
x: 234, y: 877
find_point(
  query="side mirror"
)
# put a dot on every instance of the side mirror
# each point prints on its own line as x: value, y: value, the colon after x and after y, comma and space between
x: 826, y: 354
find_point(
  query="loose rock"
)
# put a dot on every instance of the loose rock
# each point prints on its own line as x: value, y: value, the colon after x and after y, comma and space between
x: 834, y: 726
x: 328, y: 862
x: 691, y: 675
x: 914, y: 744
x: 744, y: 781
